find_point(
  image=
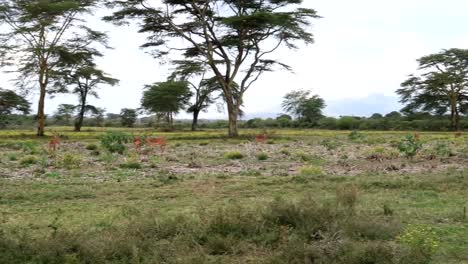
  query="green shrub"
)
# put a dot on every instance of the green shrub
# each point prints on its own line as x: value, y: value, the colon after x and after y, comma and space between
x: 234, y: 155
x: 329, y: 144
x: 115, y: 142
x: 262, y: 156
x: 91, y: 146
x: 131, y: 165
x: 421, y: 240
x: 29, y: 160
x: 355, y: 135
x: 311, y: 171
x: 70, y: 161
x: 409, y: 146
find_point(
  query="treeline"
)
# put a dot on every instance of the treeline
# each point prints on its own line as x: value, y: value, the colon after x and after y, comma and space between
x: 424, y: 122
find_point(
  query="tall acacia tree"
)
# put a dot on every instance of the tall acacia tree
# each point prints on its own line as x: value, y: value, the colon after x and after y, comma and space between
x: 79, y: 70
x: 442, y: 86
x: 38, y: 29
x: 235, y: 38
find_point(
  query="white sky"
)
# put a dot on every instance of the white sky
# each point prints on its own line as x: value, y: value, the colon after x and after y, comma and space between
x: 364, y: 49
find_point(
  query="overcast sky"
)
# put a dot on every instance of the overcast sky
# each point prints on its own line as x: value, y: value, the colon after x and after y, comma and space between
x: 364, y: 49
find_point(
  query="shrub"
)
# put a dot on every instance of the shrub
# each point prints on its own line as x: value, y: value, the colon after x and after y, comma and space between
x: 234, y: 155
x: 355, y: 135
x: 70, y: 161
x: 91, y: 146
x: 115, y: 142
x: 29, y: 160
x: 131, y: 165
x: 421, y: 240
x: 311, y: 171
x: 329, y: 144
x: 262, y: 156
x: 409, y: 146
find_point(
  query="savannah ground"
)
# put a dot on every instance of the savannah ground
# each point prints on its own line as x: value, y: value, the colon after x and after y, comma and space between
x: 304, y: 196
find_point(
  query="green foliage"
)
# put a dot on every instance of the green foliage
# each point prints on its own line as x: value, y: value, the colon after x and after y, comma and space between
x: 28, y: 160
x: 70, y: 161
x: 355, y: 135
x: 311, y: 171
x: 114, y: 142
x: 440, y: 88
x: 409, y: 146
x: 166, y: 98
x: 131, y: 164
x: 234, y: 155
x: 421, y: 239
x: 91, y: 146
x: 128, y: 117
x: 305, y: 107
x: 262, y: 156
x: 329, y: 144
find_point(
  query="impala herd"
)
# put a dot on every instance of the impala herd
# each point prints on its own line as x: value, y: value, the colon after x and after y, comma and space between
x: 138, y: 142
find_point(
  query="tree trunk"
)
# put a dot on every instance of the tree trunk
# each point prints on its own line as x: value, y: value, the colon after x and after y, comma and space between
x: 40, y: 111
x: 453, y: 116
x: 79, y: 121
x: 457, y: 119
x: 195, y: 120
x: 233, y: 114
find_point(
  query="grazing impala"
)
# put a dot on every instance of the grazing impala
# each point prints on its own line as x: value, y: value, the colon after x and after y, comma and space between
x: 261, y: 138
x: 160, y: 141
x: 137, y: 142
x: 54, y: 142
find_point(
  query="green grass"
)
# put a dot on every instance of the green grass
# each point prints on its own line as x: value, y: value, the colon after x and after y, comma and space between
x: 192, y: 205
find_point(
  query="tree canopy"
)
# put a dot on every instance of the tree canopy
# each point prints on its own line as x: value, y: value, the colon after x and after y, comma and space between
x: 166, y: 98
x: 37, y: 31
x: 441, y: 87
x: 235, y: 39
x: 304, y: 106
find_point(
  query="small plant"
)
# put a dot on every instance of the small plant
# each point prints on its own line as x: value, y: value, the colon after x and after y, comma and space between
x: 204, y: 143
x: 442, y: 149
x: 262, y: 156
x: 329, y: 144
x: 285, y: 152
x: 234, y: 155
x: 91, y: 146
x: 409, y: 146
x: 29, y: 160
x: 381, y: 153
x: 131, y: 164
x: 311, y: 171
x: 115, y: 142
x: 355, y: 135
x: 421, y: 239
x: 70, y: 161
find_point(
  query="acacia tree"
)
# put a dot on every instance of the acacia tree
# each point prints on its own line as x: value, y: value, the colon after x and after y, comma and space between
x: 38, y: 29
x: 128, y: 117
x: 65, y: 112
x: 442, y: 86
x: 10, y: 102
x: 303, y: 105
x: 188, y: 71
x: 78, y: 69
x: 235, y: 38
x: 166, y: 98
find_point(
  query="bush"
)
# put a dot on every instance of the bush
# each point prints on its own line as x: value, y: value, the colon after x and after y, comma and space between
x: 421, y: 240
x: 262, y: 156
x: 234, y: 155
x: 91, y: 146
x: 311, y: 171
x: 70, y: 161
x: 115, y: 142
x: 29, y: 160
x: 409, y: 146
x: 131, y: 165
